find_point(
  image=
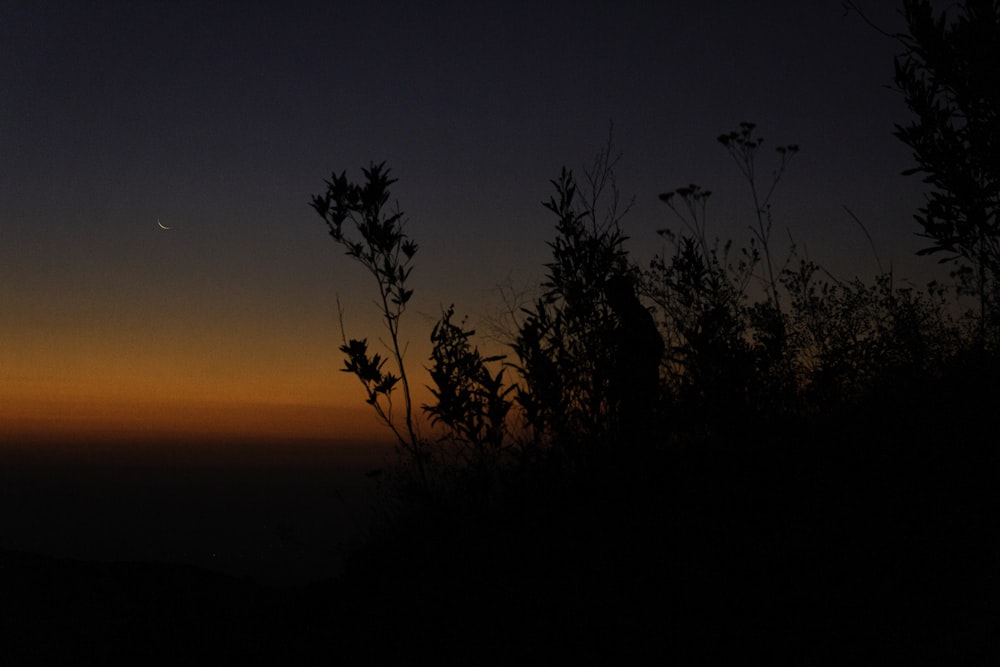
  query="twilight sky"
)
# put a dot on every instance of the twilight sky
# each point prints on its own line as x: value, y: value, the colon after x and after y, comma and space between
x: 222, y: 119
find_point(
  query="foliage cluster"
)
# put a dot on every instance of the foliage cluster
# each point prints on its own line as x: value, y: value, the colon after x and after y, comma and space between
x: 949, y: 79
x: 471, y: 399
x: 615, y: 435
x: 565, y: 358
x: 756, y: 332
x: 746, y: 334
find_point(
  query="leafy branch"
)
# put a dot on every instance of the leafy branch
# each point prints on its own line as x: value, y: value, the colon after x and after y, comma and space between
x: 379, y: 244
x: 472, y: 402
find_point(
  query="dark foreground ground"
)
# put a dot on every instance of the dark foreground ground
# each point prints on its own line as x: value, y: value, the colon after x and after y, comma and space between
x: 868, y: 540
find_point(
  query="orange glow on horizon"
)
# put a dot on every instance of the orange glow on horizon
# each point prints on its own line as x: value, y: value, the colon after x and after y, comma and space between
x: 215, y: 379
x: 88, y: 419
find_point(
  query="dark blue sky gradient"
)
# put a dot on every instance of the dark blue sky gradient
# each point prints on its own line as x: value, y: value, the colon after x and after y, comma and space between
x: 222, y: 119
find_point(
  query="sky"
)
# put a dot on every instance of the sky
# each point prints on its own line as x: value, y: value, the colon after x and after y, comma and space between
x: 221, y: 120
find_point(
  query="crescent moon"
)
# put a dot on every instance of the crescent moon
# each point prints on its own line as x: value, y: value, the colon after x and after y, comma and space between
x: 161, y: 225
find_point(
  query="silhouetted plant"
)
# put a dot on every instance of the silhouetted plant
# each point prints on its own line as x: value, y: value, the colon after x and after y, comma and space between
x: 564, y: 345
x: 831, y: 323
x: 700, y: 296
x: 742, y: 145
x: 472, y: 401
x: 594, y: 369
x: 853, y: 337
x: 917, y: 334
x: 813, y: 341
x: 950, y: 81
x: 745, y: 339
x: 726, y: 352
x: 378, y: 243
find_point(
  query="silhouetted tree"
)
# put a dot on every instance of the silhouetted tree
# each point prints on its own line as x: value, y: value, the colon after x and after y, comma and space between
x: 950, y: 80
x: 565, y: 344
x: 381, y: 246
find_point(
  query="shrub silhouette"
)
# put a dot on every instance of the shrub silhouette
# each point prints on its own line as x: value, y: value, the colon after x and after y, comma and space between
x: 704, y: 316
x: 949, y: 80
x: 809, y: 343
x: 738, y: 335
x: 569, y: 345
x: 731, y: 423
x: 697, y: 434
x: 727, y: 354
x: 472, y: 402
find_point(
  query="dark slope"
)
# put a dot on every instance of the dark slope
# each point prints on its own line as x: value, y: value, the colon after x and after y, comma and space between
x: 868, y: 535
